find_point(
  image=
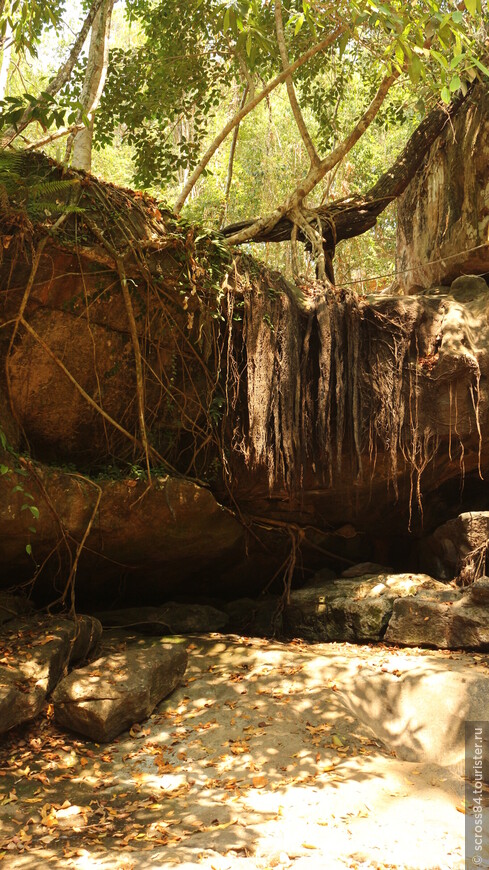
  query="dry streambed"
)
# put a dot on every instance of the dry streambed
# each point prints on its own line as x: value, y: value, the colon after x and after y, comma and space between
x: 254, y: 762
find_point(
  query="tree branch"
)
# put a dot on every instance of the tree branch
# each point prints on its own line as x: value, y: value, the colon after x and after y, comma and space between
x: 250, y: 105
x: 353, y: 216
x: 51, y: 137
x: 232, y: 152
x: 316, y: 173
x: 296, y: 110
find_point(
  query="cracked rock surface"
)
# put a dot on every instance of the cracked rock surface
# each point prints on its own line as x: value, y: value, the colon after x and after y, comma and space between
x: 112, y: 693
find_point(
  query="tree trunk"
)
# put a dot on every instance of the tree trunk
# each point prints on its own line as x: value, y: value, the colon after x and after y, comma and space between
x: 81, y: 144
x: 5, y: 66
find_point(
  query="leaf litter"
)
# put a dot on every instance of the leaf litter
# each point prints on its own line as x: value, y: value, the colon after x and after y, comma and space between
x: 253, y: 762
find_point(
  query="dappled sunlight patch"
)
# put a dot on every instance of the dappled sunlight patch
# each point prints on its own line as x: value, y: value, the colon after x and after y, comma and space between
x: 215, y: 777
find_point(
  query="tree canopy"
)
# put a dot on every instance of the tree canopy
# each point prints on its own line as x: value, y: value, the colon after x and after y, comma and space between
x: 200, y: 73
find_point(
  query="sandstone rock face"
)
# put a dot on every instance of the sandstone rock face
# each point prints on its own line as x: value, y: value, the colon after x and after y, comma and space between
x: 170, y: 618
x: 352, y: 610
x: 116, y: 691
x: 173, y: 530
x: 419, y: 705
x: 457, y: 624
x: 443, y: 216
x: 347, y: 417
x: 35, y: 652
x: 445, y: 552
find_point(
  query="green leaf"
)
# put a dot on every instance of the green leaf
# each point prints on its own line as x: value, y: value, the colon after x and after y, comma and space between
x: 343, y: 43
x: 248, y: 44
x: 439, y: 57
x: 225, y: 22
x: 28, y: 549
x: 481, y: 66
x: 456, y: 60
x: 34, y: 511
x: 455, y: 84
x: 445, y: 95
x: 457, y: 17
x: 471, y: 6
x: 298, y: 24
x: 415, y: 69
x: 4, y: 469
x: 399, y: 54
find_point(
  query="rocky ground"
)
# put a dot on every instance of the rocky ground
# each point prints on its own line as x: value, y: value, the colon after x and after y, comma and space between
x: 254, y: 762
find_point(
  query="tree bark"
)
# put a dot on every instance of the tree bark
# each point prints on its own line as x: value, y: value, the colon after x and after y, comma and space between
x: 5, y: 65
x: 80, y: 143
x: 296, y: 110
x: 232, y: 152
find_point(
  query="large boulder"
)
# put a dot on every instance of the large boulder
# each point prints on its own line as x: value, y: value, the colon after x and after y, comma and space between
x: 423, y: 621
x: 118, y: 690
x: 355, y: 610
x: 458, y: 544
x: 162, y: 534
x: 35, y: 653
x: 443, y: 216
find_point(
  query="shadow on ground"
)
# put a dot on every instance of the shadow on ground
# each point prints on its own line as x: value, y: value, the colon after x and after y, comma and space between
x: 254, y: 762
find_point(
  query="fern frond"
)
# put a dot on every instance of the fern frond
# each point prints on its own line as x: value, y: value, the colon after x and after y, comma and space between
x: 48, y: 189
x: 12, y: 163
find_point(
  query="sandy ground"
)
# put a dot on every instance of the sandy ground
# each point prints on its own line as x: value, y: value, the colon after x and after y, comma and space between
x: 253, y: 763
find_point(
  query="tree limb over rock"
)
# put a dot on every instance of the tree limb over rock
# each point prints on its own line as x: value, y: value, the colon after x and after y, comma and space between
x: 354, y: 215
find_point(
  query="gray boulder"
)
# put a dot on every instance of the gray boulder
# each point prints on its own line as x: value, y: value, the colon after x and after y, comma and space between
x: 35, y: 652
x: 478, y: 592
x: 112, y: 693
x: 457, y: 624
x: 351, y: 610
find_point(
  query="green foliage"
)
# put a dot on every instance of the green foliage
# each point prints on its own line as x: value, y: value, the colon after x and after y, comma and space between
x: 174, y: 87
x: 26, y: 19
x: 167, y: 92
x: 47, y: 110
x: 26, y: 185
